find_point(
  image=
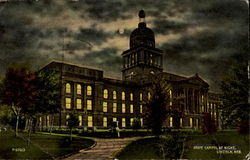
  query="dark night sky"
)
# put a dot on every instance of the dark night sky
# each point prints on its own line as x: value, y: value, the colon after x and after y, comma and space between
x: 203, y: 37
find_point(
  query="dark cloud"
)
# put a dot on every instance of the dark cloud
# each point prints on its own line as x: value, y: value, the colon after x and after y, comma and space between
x: 164, y: 26
x: 92, y: 35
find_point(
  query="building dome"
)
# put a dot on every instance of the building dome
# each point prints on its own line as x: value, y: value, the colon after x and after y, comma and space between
x: 142, y: 36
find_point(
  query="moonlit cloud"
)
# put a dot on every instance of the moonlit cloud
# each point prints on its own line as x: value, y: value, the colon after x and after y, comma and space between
x: 195, y: 37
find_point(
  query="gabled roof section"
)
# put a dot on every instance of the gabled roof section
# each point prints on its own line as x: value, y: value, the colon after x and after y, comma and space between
x: 196, y: 79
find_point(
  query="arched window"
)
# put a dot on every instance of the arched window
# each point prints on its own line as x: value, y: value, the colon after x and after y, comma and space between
x: 114, y: 94
x: 123, y: 95
x: 67, y: 88
x: 105, y: 106
x: 131, y: 97
x: 89, y: 90
x: 78, y: 89
x: 149, y: 95
x: 105, y: 93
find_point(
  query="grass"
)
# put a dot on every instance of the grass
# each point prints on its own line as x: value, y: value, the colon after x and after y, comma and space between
x: 42, y: 146
x: 146, y: 148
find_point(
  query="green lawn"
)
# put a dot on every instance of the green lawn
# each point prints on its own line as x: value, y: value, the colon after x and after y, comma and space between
x: 147, y: 148
x: 43, y: 146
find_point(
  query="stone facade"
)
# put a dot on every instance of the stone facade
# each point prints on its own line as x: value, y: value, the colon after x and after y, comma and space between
x: 99, y: 101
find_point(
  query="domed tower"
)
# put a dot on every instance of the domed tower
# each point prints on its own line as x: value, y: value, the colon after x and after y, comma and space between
x: 142, y: 59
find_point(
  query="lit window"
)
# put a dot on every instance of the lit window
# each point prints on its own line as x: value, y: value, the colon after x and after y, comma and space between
x: 68, y: 103
x: 67, y: 117
x: 202, y: 99
x: 140, y: 96
x: 68, y: 88
x: 123, y: 108
x: 131, y: 96
x: 105, y: 93
x: 114, y: 94
x: 149, y: 95
x: 123, y: 122
x: 171, y: 121
x: 80, y: 120
x: 40, y: 121
x: 90, y: 121
x: 141, y: 119
x: 197, y: 123
x: 78, y: 89
x: 180, y: 122
x: 105, y: 106
x: 131, y: 108
x: 140, y: 108
x: 114, y: 119
x: 131, y: 121
x: 191, y: 122
x: 123, y: 95
x: 78, y: 104
x: 48, y: 121
x: 89, y: 104
x: 89, y: 90
x: 114, y: 107
x: 170, y: 98
x: 105, y: 122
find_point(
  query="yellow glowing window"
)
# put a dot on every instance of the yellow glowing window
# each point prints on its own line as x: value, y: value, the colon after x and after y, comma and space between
x: 123, y: 122
x: 68, y: 103
x: 191, y: 122
x: 89, y: 104
x: 105, y: 122
x: 123, y: 95
x: 90, y: 121
x: 48, y: 121
x: 180, y: 122
x: 141, y: 120
x: 131, y: 121
x: 131, y: 108
x: 105, y: 106
x: 114, y: 119
x: 89, y: 90
x: 67, y: 117
x: 149, y: 95
x: 171, y: 121
x: 131, y: 96
x: 170, y: 98
x: 114, y: 107
x: 140, y: 96
x: 197, y: 123
x: 140, y: 108
x: 114, y: 94
x: 105, y: 93
x: 78, y: 104
x: 202, y: 99
x: 40, y: 121
x: 123, y: 108
x: 68, y: 88
x: 80, y: 120
x: 78, y: 89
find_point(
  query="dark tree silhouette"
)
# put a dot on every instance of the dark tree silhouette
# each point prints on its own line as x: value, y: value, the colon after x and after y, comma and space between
x: 73, y: 122
x: 18, y: 90
x: 209, y: 124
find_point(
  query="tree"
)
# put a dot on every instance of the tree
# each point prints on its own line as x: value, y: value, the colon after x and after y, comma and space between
x: 209, y: 124
x: 73, y: 122
x: 48, y: 97
x: 18, y: 90
x: 136, y: 124
x: 156, y: 106
x: 235, y: 86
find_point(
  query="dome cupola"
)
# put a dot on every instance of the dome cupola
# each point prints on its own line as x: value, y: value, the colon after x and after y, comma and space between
x: 142, y: 36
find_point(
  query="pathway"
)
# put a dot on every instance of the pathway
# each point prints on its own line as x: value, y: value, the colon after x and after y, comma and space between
x: 103, y: 150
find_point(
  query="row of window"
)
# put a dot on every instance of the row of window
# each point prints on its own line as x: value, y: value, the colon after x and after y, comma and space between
x: 105, y: 105
x: 105, y: 93
x: 181, y: 122
x: 78, y: 89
